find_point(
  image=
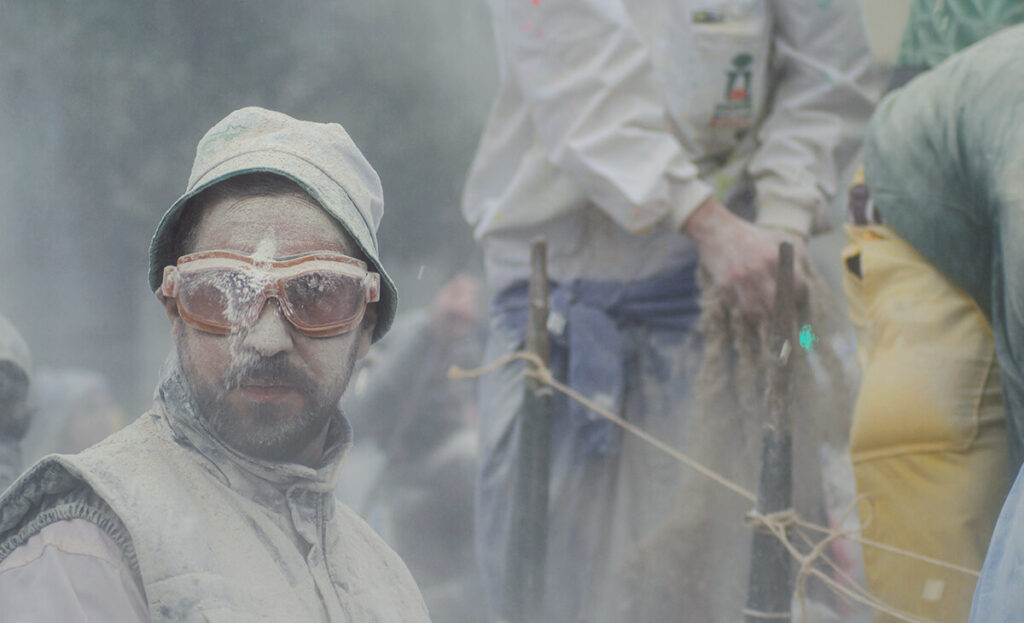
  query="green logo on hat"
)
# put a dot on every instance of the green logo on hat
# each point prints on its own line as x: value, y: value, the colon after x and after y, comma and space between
x: 229, y: 132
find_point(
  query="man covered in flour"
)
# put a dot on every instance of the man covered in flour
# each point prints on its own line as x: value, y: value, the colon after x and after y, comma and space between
x: 218, y: 504
x: 641, y: 138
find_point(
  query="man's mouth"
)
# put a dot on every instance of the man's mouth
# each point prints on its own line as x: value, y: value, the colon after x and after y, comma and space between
x: 266, y: 392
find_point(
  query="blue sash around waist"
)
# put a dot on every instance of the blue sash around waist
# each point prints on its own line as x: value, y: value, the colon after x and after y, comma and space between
x: 585, y: 324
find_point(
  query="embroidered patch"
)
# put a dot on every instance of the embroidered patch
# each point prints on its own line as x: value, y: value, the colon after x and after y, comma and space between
x: 737, y: 109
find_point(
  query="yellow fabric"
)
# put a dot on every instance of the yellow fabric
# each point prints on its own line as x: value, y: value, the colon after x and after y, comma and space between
x: 858, y: 177
x: 928, y: 441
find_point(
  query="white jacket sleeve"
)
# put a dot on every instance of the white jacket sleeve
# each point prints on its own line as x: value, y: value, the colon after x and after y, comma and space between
x: 587, y: 79
x: 73, y: 572
x: 824, y: 89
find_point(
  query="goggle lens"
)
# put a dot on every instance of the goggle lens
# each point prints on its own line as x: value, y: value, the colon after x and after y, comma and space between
x: 222, y: 297
x: 320, y: 299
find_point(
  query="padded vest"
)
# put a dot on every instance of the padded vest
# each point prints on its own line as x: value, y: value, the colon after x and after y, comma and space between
x: 212, y: 539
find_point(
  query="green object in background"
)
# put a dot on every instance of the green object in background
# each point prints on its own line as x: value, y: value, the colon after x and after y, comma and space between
x: 807, y: 338
x: 938, y: 28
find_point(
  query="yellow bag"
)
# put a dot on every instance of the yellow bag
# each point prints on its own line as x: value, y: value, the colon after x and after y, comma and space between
x: 928, y: 441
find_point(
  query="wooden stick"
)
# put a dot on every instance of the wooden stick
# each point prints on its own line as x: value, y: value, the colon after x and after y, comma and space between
x: 526, y: 562
x: 771, y: 586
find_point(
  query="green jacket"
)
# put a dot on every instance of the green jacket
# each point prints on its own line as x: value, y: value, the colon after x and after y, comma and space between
x: 944, y: 162
x: 936, y: 30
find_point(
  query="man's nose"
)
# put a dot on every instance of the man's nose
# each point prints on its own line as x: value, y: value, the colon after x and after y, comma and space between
x: 271, y: 333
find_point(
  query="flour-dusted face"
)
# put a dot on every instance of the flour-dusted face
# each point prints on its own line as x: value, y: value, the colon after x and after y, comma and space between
x: 267, y: 389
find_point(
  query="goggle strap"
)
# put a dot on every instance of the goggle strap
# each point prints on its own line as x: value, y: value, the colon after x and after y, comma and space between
x: 168, y: 283
x: 372, y: 287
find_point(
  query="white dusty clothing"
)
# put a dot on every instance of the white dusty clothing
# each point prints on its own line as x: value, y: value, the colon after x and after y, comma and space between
x: 642, y: 109
x: 213, y: 535
x: 70, y: 571
x: 614, y: 121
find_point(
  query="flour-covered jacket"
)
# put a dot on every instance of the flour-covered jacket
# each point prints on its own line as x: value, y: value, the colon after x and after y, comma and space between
x: 616, y: 119
x: 212, y: 535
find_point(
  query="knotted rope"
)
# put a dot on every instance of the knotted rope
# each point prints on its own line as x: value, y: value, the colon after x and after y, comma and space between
x: 779, y: 524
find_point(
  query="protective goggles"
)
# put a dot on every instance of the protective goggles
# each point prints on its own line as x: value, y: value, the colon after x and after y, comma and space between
x: 321, y: 294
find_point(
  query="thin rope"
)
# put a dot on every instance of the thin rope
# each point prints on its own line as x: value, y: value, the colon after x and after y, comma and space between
x: 851, y: 536
x: 542, y: 373
x: 778, y: 524
x: 544, y: 376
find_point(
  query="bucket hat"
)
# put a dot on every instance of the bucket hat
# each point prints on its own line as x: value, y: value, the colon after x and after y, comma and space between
x: 319, y: 157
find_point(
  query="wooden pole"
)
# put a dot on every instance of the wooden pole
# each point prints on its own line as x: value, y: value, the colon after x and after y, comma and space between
x: 771, y: 587
x: 526, y: 560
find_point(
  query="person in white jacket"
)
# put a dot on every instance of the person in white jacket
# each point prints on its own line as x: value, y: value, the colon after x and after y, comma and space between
x: 639, y: 139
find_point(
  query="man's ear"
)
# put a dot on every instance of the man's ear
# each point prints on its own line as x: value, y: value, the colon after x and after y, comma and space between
x: 366, y: 328
x: 170, y: 305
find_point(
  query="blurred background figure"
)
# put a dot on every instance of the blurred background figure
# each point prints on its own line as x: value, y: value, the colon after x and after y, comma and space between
x: 416, y: 450
x: 642, y: 139
x: 15, y: 415
x: 75, y: 409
